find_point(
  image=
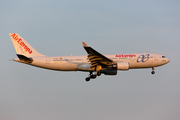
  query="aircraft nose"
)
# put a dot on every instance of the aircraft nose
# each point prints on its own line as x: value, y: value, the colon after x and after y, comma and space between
x: 168, y: 60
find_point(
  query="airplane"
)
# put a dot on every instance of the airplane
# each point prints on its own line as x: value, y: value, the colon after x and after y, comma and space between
x: 94, y: 62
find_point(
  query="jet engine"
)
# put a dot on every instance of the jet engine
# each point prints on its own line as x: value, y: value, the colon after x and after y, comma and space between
x: 109, y: 72
x: 122, y: 66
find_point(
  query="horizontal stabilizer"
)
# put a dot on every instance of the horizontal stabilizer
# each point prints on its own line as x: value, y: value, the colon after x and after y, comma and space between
x: 24, y: 58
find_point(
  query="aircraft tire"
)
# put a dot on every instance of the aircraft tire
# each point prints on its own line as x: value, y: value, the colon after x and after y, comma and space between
x: 93, y: 76
x: 87, y: 79
x: 98, y: 74
x: 152, y: 72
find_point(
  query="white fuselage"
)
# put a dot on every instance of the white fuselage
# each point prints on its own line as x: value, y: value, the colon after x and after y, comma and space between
x: 81, y: 63
x: 94, y: 62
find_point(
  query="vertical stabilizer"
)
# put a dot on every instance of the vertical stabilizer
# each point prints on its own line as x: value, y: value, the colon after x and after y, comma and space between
x: 22, y: 47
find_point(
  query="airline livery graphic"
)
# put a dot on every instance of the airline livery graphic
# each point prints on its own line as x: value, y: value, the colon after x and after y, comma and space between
x: 143, y: 58
x: 19, y: 41
x: 94, y: 62
x: 122, y: 55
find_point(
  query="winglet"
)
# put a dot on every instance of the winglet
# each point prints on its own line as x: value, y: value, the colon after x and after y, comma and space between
x: 84, y: 44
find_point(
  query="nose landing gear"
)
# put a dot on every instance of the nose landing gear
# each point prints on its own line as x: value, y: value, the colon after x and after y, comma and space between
x: 153, y: 72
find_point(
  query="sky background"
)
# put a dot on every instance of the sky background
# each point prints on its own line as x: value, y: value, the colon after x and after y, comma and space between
x: 58, y: 27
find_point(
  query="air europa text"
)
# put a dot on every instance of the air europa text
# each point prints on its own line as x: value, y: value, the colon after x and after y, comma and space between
x: 122, y: 55
x: 19, y: 41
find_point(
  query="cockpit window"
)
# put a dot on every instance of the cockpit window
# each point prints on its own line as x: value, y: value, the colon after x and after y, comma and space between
x: 163, y: 57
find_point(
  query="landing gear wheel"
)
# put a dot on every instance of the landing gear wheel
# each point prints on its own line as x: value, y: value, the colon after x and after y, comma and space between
x: 98, y: 74
x: 152, y: 72
x: 93, y: 76
x: 88, y: 79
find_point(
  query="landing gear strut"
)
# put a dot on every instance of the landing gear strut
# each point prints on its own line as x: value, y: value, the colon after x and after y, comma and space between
x: 90, y: 76
x: 153, y: 72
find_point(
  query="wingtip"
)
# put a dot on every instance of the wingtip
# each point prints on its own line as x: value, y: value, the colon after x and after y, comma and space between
x: 84, y: 44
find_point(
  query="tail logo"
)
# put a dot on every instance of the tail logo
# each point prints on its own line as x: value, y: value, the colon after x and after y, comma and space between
x: 21, y: 43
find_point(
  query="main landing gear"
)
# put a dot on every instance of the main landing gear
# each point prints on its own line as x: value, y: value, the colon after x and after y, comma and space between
x: 153, y: 72
x: 92, y: 76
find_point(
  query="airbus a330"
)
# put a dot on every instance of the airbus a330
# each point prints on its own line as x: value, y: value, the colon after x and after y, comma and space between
x: 94, y: 62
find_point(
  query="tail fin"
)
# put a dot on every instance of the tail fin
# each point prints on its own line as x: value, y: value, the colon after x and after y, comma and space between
x: 22, y: 47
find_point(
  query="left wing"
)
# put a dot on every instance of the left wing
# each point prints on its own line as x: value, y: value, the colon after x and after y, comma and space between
x: 96, y: 58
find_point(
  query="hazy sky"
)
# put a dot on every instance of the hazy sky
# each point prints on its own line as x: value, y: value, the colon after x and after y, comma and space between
x: 58, y: 27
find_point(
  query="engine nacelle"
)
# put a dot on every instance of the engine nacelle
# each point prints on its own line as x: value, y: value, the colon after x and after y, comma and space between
x: 109, y: 72
x: 122, y: 66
